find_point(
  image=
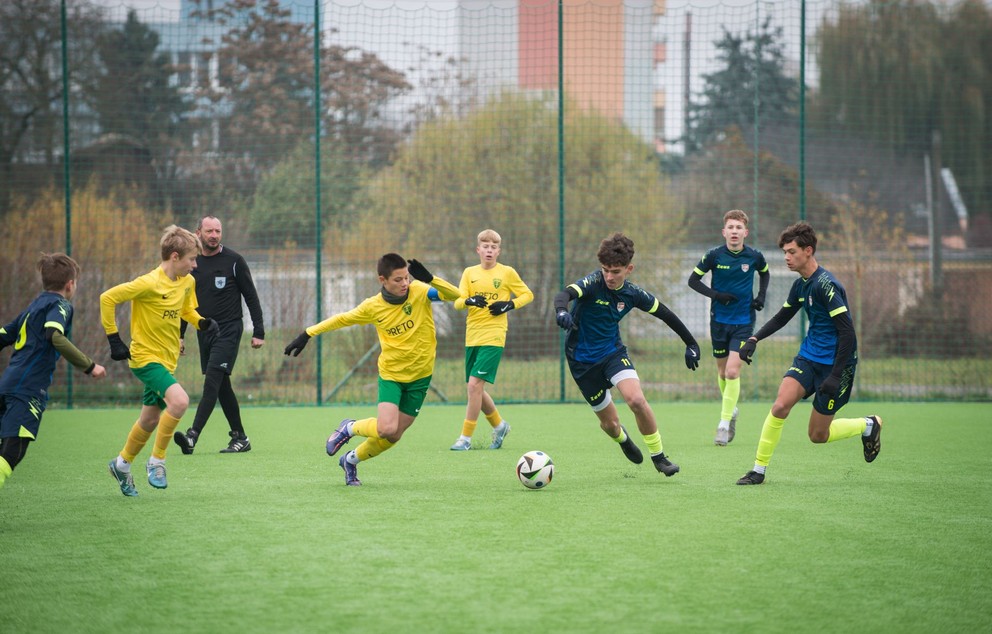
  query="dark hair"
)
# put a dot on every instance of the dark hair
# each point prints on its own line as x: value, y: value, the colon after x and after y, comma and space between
x: 802, y: 233
x: 57, y: 270
x: 389, y: 263
x: 617, y: 250
x: 199, y: 223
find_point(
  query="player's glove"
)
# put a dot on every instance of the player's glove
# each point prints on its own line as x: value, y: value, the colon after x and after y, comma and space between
x: 758, y: 302
x: 476, y: 300
x: 725, y: 298
x: 118, y: 349
x: 498, y: 308
x: 564, y: 319
x: 692, y: 356
x: 419, y: 271
x: 747, y: 350
x: 297, y: 345
x: 208, y: 326
x: 830, y: 386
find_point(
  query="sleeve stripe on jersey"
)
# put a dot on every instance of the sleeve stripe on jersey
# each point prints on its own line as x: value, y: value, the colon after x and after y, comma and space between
x: 698, y: 272
x: 577, y: 289
x: 838, y: 311
x: 54, y: 324
x: 654, y: 308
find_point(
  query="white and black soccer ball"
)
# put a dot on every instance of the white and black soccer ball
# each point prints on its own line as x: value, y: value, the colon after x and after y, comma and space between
x: 535, y: 469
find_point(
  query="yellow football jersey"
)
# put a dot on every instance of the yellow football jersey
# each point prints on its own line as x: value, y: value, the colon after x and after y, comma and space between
x: 406, y: 331
x: 157, y: 305
x: 500, y: 283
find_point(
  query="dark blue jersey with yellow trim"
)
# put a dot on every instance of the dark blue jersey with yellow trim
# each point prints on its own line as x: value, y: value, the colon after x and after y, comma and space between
x: 822, y: 297
x: 733, y: 272
x: 33, y: 360
x: 597, y: 313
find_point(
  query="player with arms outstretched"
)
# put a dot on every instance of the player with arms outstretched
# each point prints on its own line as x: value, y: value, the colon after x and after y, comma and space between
x: 404, y: 322
x: 596, y: 355
x: 827, y: 359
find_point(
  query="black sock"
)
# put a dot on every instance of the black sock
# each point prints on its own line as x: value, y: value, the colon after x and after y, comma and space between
x: 229, y: 403
x: 211, y: 386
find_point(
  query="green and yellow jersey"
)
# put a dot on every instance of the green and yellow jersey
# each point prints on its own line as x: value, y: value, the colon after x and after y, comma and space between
x: 500, y: 283
x: 406, y: 330
x: 157, y: 305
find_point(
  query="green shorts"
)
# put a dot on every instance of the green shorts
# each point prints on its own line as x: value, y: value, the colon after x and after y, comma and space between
x: 483, y: 362
x: 409, y: 397
x: 156, y: 380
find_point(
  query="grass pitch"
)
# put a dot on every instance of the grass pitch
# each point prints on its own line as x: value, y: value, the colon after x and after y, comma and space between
x: 442, y: 541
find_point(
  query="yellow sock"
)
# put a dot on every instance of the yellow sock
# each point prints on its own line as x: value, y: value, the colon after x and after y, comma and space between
x: 841, y: 428
x: 494, y: 419
x: 368, y: 427
x: 731, y: 393
x: 136, y: 441
x: 771, y: 432
x: 653, y: 441
x: 5, y: 471
x: 468, y: 427
x: 371, y: 448
x: 722, y: 382
x: 167, y: 424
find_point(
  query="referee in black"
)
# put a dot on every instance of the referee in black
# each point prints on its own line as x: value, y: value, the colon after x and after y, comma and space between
x: 222, y: 279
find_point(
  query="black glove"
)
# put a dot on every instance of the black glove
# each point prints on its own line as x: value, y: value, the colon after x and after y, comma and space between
x: 692, y: 356
x: 725, y: 298
x: 208, y: 326
x: 758, y: 302
x: 830, y: 386
x: 498, y: 308
x: 476, y: 300
x: 564, y: 319
x: 297, y: 345
x: 419, y: 271
x: 118, y: 349
x: 747, y: 350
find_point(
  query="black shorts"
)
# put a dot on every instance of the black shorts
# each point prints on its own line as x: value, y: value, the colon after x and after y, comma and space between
x: 811, y: 375
x: 221, y: 350
x: 20, y: 416
x: 596, y: 379
x: 727, y: 337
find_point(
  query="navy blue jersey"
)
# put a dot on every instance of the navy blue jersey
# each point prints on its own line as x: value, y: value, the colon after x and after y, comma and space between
x: 33, y: 361
x: 822, y: 297
x: 597, y: 313
x: 733, y: 272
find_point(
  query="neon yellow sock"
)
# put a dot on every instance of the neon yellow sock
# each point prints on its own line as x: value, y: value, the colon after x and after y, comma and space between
x: 841, y: 428
x: 494, y: 419
x: 771, y: 433
x: 468, y: 427
x: 136, y: 441
x: 5, y: 471
x: 653, y: 441
x: 619, y: 439
x: 367, y: 427
x: 371, y: 448
x: 167, y: 424
x: 731, y: 394
x: 722, y: 382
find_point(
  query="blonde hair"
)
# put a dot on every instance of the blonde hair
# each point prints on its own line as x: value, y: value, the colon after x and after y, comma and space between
x: 735, y: 214
x: 175, y: 239
x: 488, y: 235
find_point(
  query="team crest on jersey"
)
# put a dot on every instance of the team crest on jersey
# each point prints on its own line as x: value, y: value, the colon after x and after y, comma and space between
x: 621, y: 306
x: 220, y: 282
x: 745, y: 267
x: 407, y: 309
x: 497, y: 283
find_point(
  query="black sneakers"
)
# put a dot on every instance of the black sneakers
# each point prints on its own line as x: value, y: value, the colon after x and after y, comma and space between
x: 630, y: 448
x: 873, y: 441
x: 186, y: 441
x: 664, y: 465
x: 752, y: 477
x: 239, y: 443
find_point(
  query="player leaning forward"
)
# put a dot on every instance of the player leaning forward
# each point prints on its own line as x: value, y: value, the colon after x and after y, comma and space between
x: 827, y: 359
x: 596, y: 355
x: 404, y: 323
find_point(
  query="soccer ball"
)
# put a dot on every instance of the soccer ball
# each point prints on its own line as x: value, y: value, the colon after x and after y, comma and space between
x: 535, y: 469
